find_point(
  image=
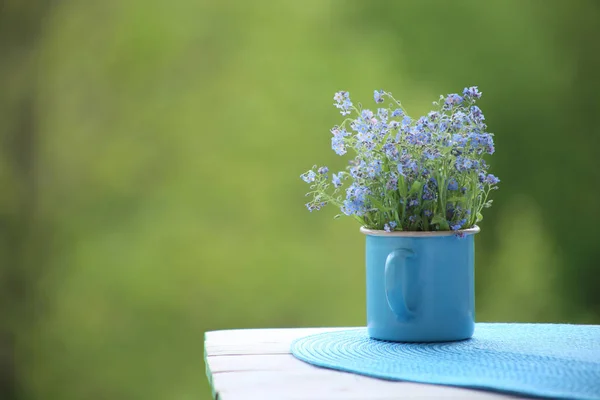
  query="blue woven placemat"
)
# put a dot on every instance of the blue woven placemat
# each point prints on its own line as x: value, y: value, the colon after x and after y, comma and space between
x: 545, y: 360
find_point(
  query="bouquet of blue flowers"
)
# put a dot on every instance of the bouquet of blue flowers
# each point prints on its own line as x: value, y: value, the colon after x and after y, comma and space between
x: 425, y: 174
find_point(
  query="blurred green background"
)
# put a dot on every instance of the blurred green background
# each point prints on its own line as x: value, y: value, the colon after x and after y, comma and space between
x: 150, y: 161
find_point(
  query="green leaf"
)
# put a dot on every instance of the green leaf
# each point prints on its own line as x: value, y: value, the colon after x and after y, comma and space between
x: 402, y: 187
x: 377, y: 203
x: 441, y: 221
x: 437, y: 219
x: 416, y: 187
x: 479, y: 217
x: 455, y: 199
x: 337, y: 216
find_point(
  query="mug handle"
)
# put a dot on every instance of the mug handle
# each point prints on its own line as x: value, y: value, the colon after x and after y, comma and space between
x: 395, y: 275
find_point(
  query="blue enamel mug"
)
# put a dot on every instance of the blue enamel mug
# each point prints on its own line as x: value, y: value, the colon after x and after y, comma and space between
x: 420, y: 285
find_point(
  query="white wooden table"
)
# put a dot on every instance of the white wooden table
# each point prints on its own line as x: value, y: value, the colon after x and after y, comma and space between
x: 256, y: 364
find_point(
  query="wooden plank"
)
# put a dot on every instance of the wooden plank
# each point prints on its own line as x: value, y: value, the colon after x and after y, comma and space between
x: 253, y: 336
x: 261, y: 362
x: 332, y: 385
x: 254, y: 364
x: 248, y: 349
x: 256, y: 341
